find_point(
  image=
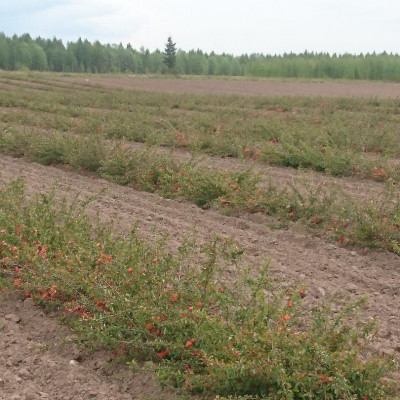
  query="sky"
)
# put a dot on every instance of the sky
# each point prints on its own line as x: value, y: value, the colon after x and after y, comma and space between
x: 230, y: 26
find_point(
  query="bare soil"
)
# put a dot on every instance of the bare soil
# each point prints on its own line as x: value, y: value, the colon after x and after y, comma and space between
x: 297, y: 256
x: 38, y: 357
x: 248, y: 88
x: 39, y: 360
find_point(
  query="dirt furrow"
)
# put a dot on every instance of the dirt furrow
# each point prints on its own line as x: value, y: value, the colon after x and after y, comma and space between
x: 325, y: 268
x: 39, y: 360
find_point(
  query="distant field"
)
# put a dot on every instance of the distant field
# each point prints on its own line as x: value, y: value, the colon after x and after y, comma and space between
x: 260, y: 87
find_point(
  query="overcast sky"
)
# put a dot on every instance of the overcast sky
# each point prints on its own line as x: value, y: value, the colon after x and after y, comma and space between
x: 231, y: 26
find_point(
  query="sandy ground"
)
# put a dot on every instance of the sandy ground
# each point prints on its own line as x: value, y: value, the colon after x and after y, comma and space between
x: 248, y: 88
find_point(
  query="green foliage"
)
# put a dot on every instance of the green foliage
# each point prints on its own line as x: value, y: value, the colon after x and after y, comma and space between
x: 239, y: 340
x: 170, y: 55
x: 372, y: 224
x: 58, y: 123
x: 17, y: 53
x: 341, y: 137
x: 249, y: 338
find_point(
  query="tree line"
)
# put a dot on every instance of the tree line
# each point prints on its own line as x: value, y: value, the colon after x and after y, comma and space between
x: 25, y: 53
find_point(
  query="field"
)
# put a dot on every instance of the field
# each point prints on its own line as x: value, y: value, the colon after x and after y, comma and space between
x: 258, y: 87
x: 302, y: 191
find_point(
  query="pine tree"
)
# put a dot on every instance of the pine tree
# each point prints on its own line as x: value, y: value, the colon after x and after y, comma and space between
x: 170, y: 55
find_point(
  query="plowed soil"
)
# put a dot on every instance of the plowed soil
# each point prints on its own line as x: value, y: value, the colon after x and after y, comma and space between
x: 249, y: 88
x: 38, y: 358
x: 325, y: 268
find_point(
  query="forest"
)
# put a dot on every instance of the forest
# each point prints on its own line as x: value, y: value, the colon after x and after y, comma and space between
x: 40, y: 54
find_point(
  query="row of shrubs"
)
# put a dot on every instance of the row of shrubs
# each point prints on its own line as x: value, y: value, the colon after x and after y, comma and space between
x: 205, y: 334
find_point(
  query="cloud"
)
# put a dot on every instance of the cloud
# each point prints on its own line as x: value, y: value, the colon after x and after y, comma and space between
x: 11, y: 8
x: 105, y: 20
x: 268, y: 26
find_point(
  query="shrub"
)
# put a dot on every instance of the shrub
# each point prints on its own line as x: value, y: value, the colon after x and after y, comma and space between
x: 205, y: 333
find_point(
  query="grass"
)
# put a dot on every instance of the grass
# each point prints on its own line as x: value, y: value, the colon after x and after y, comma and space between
x: 341, y: 137
x: 249, y: 339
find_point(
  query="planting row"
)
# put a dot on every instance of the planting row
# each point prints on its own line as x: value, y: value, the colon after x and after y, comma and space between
x: 335, y: 136
x: 248, y: 339
x: 347, y: 219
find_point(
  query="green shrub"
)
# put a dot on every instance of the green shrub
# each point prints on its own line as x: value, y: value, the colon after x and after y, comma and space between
x: 247, y: 338
x: 362, y: 222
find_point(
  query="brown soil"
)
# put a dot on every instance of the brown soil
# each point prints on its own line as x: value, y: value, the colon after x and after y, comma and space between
x: 325, y: 268
x: 39, y: 360
x: 248, y: 88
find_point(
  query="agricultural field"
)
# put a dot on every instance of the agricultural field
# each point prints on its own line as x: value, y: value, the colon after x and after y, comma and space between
x: 225, y: 238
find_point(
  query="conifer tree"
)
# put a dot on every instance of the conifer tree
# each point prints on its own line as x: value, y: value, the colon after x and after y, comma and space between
x: 170, y: 54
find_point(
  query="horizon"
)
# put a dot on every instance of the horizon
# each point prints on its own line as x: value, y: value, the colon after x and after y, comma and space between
x: 301, y: 53
x: 262, y: 27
